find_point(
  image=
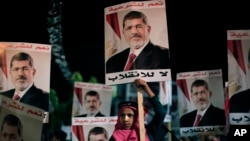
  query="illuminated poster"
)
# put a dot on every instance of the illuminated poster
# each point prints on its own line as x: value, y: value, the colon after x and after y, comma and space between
x: 238, y: 48
x: 200, y: 98
x: 96, y: 128
x: 25, y: 71
x: 91, y: 100
x: 23, y: 114
x: 133, y: 29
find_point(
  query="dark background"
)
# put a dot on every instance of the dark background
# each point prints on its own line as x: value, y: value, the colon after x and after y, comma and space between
x: 197, y: 33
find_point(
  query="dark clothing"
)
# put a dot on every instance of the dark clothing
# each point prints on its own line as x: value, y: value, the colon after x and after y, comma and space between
x: 34, y: 97
x: 151, y: 57
x: 99, y: 114
x: 239, y: 103
x: 156, y: 130
x: 213, y: 116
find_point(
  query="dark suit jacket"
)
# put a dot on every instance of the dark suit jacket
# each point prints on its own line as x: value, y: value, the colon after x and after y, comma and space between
x: 239, y: 103
x: 99, y: 114
x: 213, y: 116
x: 151, y: 57
x: 34, y: 97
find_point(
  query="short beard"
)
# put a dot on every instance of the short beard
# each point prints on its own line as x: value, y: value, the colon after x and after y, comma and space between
x: 136, y: 44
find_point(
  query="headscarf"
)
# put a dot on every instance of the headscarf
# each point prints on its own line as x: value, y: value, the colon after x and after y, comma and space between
x: 132, y: 134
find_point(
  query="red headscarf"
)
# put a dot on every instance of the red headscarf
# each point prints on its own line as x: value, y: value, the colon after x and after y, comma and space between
x: 132, y: 134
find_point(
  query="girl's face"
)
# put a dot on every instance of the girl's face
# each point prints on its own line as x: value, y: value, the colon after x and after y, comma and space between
x: 127, y: 118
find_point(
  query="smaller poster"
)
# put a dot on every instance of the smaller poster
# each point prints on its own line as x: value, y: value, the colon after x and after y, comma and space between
x: 201, y: 97
x: 91, y: 100
x: 92, y: 128
x: 22, y: 118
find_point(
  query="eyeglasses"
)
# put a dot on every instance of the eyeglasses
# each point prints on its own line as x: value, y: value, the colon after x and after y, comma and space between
x: 10, y: 136
x: 25, y: 69
x: 204, y: 92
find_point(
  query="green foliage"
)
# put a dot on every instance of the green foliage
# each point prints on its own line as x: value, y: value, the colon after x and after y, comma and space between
x: 61, y: 111
x: 76, y: 76
x: 93, y: 79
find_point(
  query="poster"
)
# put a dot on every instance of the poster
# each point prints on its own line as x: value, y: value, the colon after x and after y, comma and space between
x: 27, y: 115
x: 81, y: 127
x: 201, y: 93
x: 238, y: 43
x: 90, y: 98
x: 25, y: 69
x: 148, y: 42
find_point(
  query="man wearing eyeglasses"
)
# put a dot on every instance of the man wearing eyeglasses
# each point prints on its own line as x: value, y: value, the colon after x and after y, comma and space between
x: 22, y: 74
x: 205, y: 114
x: 11, y: 129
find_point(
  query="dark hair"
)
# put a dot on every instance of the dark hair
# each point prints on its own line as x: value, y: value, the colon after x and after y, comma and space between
x: 92, y: 93
x: 59, y: 134
x: 128, y: 103
x: 98, y: 130
x: 135, y: 15
x: 13, y: 120
x: 199, y: 82
x: 22, y: 56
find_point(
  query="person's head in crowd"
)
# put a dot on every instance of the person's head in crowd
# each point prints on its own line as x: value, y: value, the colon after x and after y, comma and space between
x: 98, y: 134
x: 92, y: 102
x: 127, y: 115
x: 11, y: 128
x: 58, y: 135
x: 200, y: 94
x: 128, y: 121
x: 136, y: 29
x: 22, y: 71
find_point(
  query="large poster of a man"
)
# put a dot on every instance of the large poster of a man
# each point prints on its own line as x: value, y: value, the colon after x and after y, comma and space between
x: 201, y: 96
x: 239, y: 76
x: 136, y: 42
x: 25, y: 69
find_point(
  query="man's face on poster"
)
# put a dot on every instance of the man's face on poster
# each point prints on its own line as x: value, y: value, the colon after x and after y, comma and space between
x: 9, y: 133
x: 22, y: 74
x: 98, y: 137
x: 92, y: 104
x: 136, y: 32
x: 201, y: 97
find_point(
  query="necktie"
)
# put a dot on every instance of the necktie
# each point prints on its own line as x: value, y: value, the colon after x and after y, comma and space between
x: 130, y: 61
x: 198, y: 118
x: 16, y: 97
